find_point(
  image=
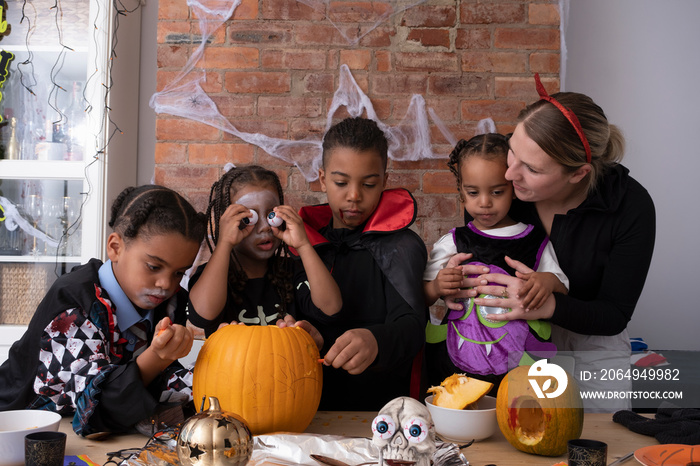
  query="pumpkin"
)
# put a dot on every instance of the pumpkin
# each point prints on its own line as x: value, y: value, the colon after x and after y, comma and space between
x: 214, y: 437
x: 268, y: 375
x: 459, y: 391
x: 541, y: 426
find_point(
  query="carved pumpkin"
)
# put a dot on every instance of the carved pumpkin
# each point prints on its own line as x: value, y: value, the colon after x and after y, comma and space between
x: 268, y: 375
x: 541, y: 426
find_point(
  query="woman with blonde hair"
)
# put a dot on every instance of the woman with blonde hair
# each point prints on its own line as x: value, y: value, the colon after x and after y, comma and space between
x: 564, y: 162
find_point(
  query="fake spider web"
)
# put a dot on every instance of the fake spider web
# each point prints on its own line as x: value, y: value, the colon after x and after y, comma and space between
x: 341, y: 13
x: 409, y: 140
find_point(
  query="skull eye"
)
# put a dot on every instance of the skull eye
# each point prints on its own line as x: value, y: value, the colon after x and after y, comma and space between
x: 416, y: 430
x: 383, y: 427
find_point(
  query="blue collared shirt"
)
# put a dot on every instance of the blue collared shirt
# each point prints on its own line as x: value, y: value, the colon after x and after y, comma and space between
x: 126, y: 313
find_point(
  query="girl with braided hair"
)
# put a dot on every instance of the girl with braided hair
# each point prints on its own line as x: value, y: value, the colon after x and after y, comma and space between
x: 104, y: 342
x: 251, y: 277
x: 473, y: 343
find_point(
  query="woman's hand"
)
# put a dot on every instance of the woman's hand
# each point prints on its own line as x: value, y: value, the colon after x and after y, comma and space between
x: 510, y: 290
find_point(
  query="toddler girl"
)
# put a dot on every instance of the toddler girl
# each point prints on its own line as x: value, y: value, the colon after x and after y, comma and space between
x: 477, y: 345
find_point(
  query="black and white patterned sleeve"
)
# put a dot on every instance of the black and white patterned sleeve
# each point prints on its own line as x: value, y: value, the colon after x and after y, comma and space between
x: 73, y: 350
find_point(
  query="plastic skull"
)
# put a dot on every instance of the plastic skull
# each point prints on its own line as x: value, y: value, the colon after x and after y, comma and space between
x: 404, y: 433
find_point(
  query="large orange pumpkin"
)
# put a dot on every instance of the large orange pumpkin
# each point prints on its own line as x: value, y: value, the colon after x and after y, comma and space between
x: 268, y: 375
x: 541, y: 426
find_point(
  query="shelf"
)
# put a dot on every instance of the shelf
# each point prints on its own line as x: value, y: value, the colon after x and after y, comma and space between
x: 38, y: 94
x: 41, y: 259
x: 45, y: 169
x: 55, y: 49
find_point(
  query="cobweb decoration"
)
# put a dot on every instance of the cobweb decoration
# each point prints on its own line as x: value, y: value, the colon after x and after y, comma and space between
x: 212, y: 14
x: 563, y: 26
x: 381, y: 10
x: 487, y: 125
x: 409, y: 140
x: 13, y: 219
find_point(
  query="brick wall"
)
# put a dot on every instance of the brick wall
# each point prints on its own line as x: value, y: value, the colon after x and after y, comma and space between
x: 273, y: 68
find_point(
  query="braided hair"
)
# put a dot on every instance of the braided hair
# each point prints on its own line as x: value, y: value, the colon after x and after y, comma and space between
x: 361, y: 134
x: 489, y: 146
x: 152, y: 210
x: 279, y: 266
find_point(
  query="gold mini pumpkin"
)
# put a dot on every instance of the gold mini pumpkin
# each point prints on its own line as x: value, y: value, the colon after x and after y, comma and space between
x: 214, y: 438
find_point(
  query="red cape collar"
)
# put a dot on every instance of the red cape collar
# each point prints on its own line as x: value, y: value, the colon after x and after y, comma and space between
x: 396, y: 210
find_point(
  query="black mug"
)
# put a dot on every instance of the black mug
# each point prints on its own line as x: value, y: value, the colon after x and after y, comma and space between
x: 44, y: 449
x: 583, y: 452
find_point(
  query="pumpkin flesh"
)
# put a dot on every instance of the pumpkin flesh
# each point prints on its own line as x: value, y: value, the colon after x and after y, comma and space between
x: 528, y: 420
x: 459, y: 391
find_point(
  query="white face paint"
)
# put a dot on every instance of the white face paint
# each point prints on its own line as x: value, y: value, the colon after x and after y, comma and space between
x: 404, y: 433
x: 260, y: 245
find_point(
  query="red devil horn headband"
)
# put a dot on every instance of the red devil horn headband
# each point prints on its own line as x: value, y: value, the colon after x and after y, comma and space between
x: 567, y: 113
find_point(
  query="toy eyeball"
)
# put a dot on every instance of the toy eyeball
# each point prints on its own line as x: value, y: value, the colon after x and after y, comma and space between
x: 248, y: 220
x: 274, y: 220
x: 486, y: 310
x: 383, y: 427
x: 416, y: 430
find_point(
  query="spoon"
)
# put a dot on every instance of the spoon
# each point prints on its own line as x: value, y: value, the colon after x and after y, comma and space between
x: 334, y: 462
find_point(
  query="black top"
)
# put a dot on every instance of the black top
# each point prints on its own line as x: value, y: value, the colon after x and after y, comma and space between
x: 489, y: 250
x: 260, y: 304
x: 605, y: 247
x: 380, y: 276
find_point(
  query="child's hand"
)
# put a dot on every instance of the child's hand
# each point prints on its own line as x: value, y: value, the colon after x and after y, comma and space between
x: 467, y: 269
x: 537, y: 288
x: 448, y: 281
x: 455, y: 303
x: 355, y: 350
x: 289, y: 321
x: 451, y: 280
x: 294, y: 234
x: 230, y: 221
x: 534, y: 290
x: 171, y: 341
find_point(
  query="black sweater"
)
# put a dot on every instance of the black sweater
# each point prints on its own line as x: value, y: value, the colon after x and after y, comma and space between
x: 605, y: 247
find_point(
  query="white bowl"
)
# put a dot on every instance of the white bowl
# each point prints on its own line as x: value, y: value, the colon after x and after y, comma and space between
x: 14, y: 425
x: 464, y: 425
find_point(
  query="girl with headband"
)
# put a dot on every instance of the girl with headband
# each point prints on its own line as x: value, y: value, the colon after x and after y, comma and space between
x: 564, y: 162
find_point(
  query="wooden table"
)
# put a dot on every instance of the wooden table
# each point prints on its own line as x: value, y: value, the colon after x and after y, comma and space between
x: 494, y: 450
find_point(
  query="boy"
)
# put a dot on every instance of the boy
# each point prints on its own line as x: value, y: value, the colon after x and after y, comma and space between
x: 105, y: 340
x: 363, y: 237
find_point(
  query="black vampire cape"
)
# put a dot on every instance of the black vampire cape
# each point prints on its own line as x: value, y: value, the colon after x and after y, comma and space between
x: 386, y: 282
